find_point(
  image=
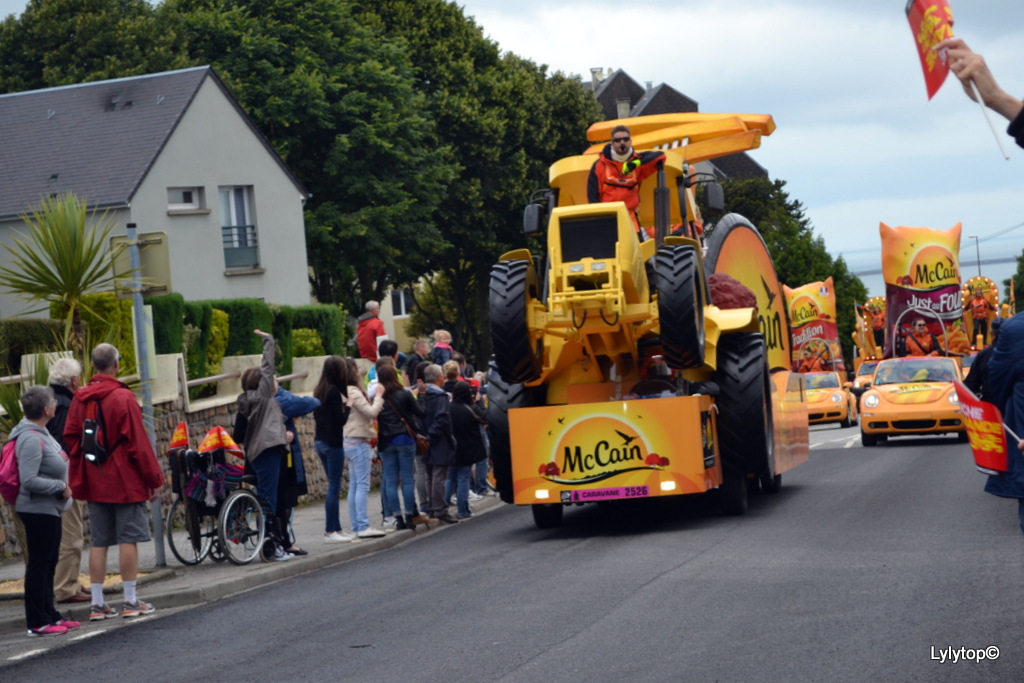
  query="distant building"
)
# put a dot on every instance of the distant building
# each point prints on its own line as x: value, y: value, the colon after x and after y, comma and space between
x: 171, y: 152
x: 622, y: 97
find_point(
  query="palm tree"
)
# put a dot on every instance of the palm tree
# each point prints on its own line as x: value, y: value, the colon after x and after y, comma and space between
x: 61, y: 259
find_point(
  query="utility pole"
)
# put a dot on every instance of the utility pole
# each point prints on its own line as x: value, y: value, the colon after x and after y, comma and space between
x: 977, y: 250
x: 147, y: 387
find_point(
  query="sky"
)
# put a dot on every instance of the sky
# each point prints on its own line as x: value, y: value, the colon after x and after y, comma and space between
x: 857, y: 140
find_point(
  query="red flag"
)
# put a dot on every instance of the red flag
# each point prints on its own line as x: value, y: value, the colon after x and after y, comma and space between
x: 218, y: 437
x: 931, y: 22
x: 985, y: 431
x: 180, y: 438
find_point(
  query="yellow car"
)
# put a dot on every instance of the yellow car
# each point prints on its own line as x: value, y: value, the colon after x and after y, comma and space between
x: 828, y: 400
x: 913, y: 395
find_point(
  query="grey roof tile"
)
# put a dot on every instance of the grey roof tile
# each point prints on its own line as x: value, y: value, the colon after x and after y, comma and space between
x: 95, y: 139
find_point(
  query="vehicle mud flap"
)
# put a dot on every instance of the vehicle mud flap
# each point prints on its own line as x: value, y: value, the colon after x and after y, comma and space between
x: 746, y: 438
x: 503, y: 396
x: 680, y: 306
x: 513, y: 285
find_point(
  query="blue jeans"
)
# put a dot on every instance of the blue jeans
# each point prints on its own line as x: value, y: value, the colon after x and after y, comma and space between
x: 480, y: 484
x: 397, y: 463
x: 458, y: 479
x: 358, y: 459
x: 333, y: 459
x: 386, y: 509
x: 267, y: 466
x: 480, y: 477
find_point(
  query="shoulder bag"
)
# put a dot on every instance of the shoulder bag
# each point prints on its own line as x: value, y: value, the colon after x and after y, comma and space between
x: 422, y: 442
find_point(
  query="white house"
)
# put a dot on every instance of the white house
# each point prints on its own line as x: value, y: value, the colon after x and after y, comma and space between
x: 171, y: 152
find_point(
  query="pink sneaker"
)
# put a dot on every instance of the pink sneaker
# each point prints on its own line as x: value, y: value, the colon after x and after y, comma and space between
x: 67, y: 623
x: 48, y: 630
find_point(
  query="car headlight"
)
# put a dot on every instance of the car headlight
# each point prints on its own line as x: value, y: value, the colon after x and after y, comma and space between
x: 953, y: 398
x: 871, y: 401
x: 838, y: 398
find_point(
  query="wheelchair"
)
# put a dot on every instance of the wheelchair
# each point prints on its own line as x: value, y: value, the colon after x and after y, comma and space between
x: 216, y: 513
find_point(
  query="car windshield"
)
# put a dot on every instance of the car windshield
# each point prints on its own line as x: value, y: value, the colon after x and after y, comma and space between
x: 821, y: 380
x: 909, y: 371
x: 867, y: 368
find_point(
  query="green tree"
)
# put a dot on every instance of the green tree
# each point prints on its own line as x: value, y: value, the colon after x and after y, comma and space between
x: 61, y: 42
x: 799, y: 256
x: 337, y: 102
x: 1016, y: 291
x: 63, y: 257
x: 505, y: 121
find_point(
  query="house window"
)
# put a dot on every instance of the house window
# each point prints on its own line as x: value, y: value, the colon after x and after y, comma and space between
x: 184, y: 198
x: 238, y: 229
x: 402, y: 303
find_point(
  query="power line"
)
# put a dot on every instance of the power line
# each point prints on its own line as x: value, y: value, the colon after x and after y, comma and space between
x: 984, y: 262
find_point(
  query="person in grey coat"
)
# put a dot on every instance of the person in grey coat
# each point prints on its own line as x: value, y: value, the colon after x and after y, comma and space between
x: 44, y: 495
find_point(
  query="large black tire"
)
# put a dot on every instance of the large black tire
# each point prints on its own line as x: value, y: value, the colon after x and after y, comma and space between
x: 548, y: 516
x: 734, y: 496
x: 189, y: 534
x: 503, y: 396
x: 868, y: 440
x: 746, y: 433
x: 513, y: 285
x: 680, y: 306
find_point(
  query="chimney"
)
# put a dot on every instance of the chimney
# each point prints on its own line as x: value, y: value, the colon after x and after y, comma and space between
x: 622, y: 107
x: 596, y: 73
x: 649, y: 84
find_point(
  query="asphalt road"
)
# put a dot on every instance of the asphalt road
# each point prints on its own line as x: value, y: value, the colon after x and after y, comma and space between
x: 871, y: 564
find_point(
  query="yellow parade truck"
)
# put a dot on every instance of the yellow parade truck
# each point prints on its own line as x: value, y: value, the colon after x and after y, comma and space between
x: 635, y: 368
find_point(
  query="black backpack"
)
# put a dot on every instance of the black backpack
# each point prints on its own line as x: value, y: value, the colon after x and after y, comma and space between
x: 93, y: 434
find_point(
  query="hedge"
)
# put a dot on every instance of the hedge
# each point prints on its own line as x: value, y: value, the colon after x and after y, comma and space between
x: 244, y: 316
x: 168, y: 322
x: 19, y: 336
x: 329, y: 323
x: 197, y: 314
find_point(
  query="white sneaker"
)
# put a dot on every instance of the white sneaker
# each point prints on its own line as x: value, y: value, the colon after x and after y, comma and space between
x: 389, y: 525
x: 474, y: 496
x: 338, y: 537
x: 369, y: 532
x: 281, y: 555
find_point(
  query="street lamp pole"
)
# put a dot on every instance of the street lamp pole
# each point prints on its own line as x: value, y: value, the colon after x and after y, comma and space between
x: 977, y: 250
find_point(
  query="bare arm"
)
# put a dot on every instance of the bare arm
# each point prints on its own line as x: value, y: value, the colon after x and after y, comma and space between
x: 968, y: 65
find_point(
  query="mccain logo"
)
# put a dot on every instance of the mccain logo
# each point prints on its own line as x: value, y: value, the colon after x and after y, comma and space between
x: 596, y: 449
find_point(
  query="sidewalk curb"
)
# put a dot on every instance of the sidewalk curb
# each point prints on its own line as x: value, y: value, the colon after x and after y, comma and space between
x: 249, y: 576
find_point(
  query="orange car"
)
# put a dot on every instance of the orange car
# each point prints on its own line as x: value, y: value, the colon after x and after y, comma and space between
x: 829, y: 400
x: 913, y: 395
x: 863, y: 379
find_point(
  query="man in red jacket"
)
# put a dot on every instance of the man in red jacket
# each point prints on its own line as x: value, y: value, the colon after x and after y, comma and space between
x: 118, y: 488
x: 618, y: 172
x: 368, y: 328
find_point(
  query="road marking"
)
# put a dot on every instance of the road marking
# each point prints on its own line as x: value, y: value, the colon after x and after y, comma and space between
x: 854, y: 440
x: 87, y: 634
x: 25, y: 655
